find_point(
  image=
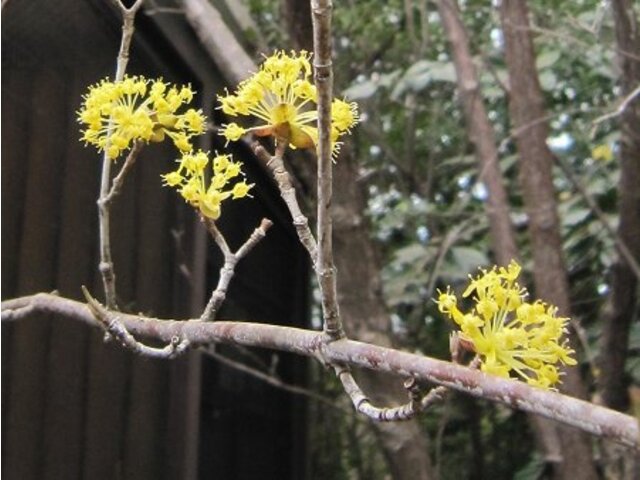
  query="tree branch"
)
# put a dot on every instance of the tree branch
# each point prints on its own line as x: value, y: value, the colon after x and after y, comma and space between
x: 118, y: 181
x: 323, y: 76
x: 277, y: 382
x: 621, y: 246
x: 114, y: 327
x: 590, y: 418
x: 618, y: 111
x: 275, y: 164
x: 106, y: 267
x: 218, y: 40
x: 230, y: 261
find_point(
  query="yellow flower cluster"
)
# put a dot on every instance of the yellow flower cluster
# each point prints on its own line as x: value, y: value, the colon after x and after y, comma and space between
x: 508, y: 333
x: 189, y: 179
x: 602, y: 152
x: 282, y: 96
x: 136, y: 109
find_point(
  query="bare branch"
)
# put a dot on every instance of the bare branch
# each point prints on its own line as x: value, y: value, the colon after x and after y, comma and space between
x: 133, y: 9
x: 230, y: 261
x: 621, y: 246
x: 258, y: 234
x: 406, y: 411
x: 217, y: 237
x: 114, y: 328
x: 323, y: 76
x: 277, y: 382
x: 218, y: 40
x: 275, y: 164
x: 594, y: 419
x: 118, y: 181
x: 106, y: 266
x: 618, y: 111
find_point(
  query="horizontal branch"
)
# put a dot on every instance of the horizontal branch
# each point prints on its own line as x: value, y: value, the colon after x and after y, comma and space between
x: 590, y: 418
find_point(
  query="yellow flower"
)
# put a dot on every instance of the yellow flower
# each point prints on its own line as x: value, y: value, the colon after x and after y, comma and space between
x: 115, y: 114
x: 509, y: 334
x: 602, y: 152
x: 190, y: 179
x: 282, y: 96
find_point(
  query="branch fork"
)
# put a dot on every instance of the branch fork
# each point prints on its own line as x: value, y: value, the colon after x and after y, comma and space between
x: 114, y: 328
x: 230, y: 261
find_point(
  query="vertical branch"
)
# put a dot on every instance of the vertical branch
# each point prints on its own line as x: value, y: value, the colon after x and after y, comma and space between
x: 323, y: 75
x: 106, y: 262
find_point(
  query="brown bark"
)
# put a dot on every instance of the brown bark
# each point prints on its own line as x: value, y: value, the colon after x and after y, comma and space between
x: 526, y: 107
x: 624, y: 284
x: 218, y: 40
x: 482, y: 135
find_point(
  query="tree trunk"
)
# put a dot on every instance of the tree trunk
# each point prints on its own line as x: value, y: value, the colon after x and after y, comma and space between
x: 622, y: 305
x: 366, y: 318
x: 526, y: 108
x: 482, y: 134
x: 623, y: 299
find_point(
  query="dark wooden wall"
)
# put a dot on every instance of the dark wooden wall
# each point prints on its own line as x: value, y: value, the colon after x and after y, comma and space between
x: 74, y: 407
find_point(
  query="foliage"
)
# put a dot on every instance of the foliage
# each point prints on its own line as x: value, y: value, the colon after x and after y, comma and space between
x: 425, y: 201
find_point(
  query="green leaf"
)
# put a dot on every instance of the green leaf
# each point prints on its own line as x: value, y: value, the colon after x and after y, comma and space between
x: 575, y: 216
x: 468, y: 259
x: 547, y: 58
x: 548, y: 80
x: 412, y: 254
x: 361, y: 91
x: 421, y: 74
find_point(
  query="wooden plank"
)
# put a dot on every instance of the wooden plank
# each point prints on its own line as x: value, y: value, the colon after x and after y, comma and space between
x: 65, y: 407
x: 109, y: 370
x: 36, y: 272
x: 147, y: 410
x: 16, y: 103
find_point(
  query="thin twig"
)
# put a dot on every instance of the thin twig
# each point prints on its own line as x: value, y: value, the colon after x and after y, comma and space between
x: 118, y: 181
x: 573, y: 39
x: 217, y: 237
x: 417, y: 402
x: 275, y: 164
x: 618, y: 111
x: 230, y: 261
x: 324, y: 267
x: 405, y: 411
x: 106, y: 267
x: 621, y: 246
x: 114, y: 328
x: 277, y: 382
